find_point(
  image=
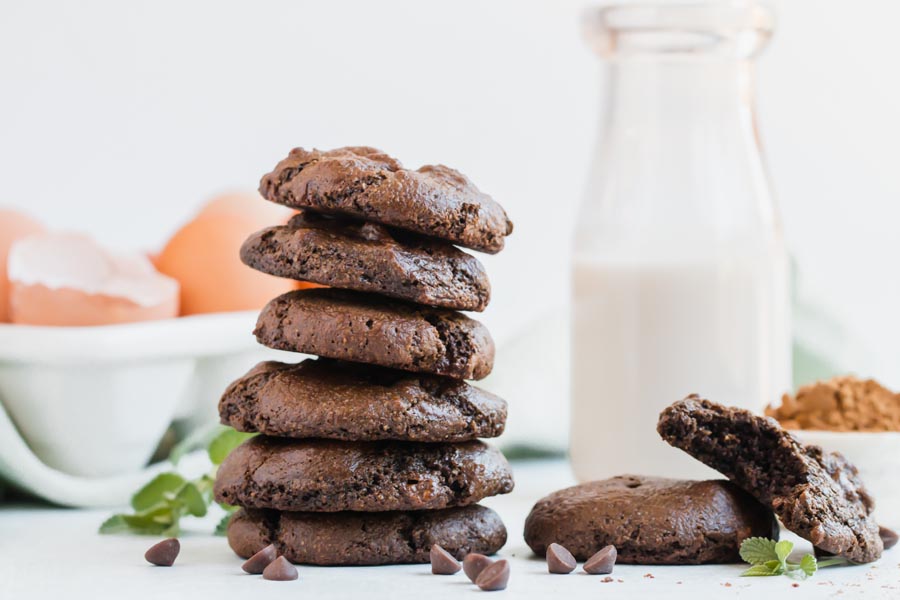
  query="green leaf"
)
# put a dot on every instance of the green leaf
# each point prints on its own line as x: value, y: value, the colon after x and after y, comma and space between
x: 776, y: 566
x: 157, y: 520
x: 114, y: 524
x: 808, y: 565
x: 192, y: 500
x: 226, y: 441
x: 758, y: 551
x: 155, y: 491
x: 783, y: 549
x: 222, y: 527
x: 759, y: 571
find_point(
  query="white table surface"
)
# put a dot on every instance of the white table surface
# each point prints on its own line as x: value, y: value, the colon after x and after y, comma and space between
x: 57, y: 553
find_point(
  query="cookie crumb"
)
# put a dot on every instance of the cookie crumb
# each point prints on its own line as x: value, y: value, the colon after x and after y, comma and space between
x: 649, y: 576
x: 795, y: 585
x: 607, y: 580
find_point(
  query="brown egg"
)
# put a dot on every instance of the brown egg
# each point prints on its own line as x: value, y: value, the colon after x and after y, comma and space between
x: 13, y: 226
x: 68, y: 280
x: 204, y: 256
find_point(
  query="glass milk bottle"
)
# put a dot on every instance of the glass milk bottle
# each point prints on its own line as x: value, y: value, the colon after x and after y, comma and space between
x: 679, y: 269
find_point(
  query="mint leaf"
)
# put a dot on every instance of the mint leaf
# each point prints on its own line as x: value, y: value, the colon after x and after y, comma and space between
x: 771, y: 558
x: 776, y: 566
x: 808, y: 565
x: 114, y: 524
x: 758, y: 551
x: 226, y: 441
x: 192, y: 500
x: 155, y: 491
x: 783, y: 550
x: 759, y: 571
x: 160, y: 504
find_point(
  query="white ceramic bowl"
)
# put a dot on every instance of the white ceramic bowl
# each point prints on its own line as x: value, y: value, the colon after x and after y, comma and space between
x: 95, y: 401
x: 877, y: 456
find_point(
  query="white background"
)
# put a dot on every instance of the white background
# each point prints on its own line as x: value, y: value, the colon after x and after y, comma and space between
x: 120, y: 118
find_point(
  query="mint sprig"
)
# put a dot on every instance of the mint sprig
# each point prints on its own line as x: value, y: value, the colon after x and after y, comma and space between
x: 769, y: 558
x: 160, y: 504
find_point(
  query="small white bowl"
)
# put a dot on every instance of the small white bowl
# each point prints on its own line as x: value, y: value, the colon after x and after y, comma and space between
x: 877, y: 456
x: 95, y: 401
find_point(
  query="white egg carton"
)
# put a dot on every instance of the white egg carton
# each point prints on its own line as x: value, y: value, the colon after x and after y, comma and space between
x: 83, y: 408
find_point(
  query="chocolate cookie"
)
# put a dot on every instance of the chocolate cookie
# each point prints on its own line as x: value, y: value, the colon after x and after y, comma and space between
x: 331, y: 476
x: 650, y: 520
x: 354, y: 538
x: 374, y: 330
x: 368, y: 257
x: 331, y: 399
x: 817, y: 495
x: 363, y: 182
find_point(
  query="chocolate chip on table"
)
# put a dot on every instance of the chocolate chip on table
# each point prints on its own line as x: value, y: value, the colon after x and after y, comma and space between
x: 257, y: 563
x: 494, y: 577
x: 888, y: 537
x: 442, y: 562
x: 164, y: 553
x: 559, y: 560
x: 474, y: 564
x: 602, y: 562
x: 280, y: 570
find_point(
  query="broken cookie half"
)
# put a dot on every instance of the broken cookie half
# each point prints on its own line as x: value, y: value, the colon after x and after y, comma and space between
x: 816, y: 494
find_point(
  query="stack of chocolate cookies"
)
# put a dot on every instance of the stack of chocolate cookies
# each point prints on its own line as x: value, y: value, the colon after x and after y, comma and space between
x: 370, y: 453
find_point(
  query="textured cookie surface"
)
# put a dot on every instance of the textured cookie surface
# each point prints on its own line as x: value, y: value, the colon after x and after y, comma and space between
x: 332, y: 399
x: 368, y: 257
x: 354, y: 538
x: 817, y: 495
x: 331, y: 476
x: 650, y: 520
x: 363, y: 182
x: 374, y: 330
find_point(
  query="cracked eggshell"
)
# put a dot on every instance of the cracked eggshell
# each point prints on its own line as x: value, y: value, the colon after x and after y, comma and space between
x: 65, y: 279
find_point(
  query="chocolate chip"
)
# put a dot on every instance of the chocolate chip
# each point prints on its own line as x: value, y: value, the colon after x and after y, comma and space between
x: 560, y: 560
x: 257, y: 563
x: 494, y: 577
x: 280, y: 570
x: 474, y: 564
x: 888, y: 537
x: 164, y: 553
x: 602, y: 562
x: 442, y: 562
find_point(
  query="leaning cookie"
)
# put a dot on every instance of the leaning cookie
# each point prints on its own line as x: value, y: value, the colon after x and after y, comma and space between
x: 650, y: 520
x: 368, y: 257
x: 332, y: 476
x: 366, y: 183
x: 370, y: 329
x: 354, y: 538
x: 332, y: 399
x: 817, y: 495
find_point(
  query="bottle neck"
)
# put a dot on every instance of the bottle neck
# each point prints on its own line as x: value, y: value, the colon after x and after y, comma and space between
x: 679, y: 104
x: 678, y: 154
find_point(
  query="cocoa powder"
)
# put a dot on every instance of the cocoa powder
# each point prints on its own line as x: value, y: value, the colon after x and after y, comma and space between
x: 840, y: 404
